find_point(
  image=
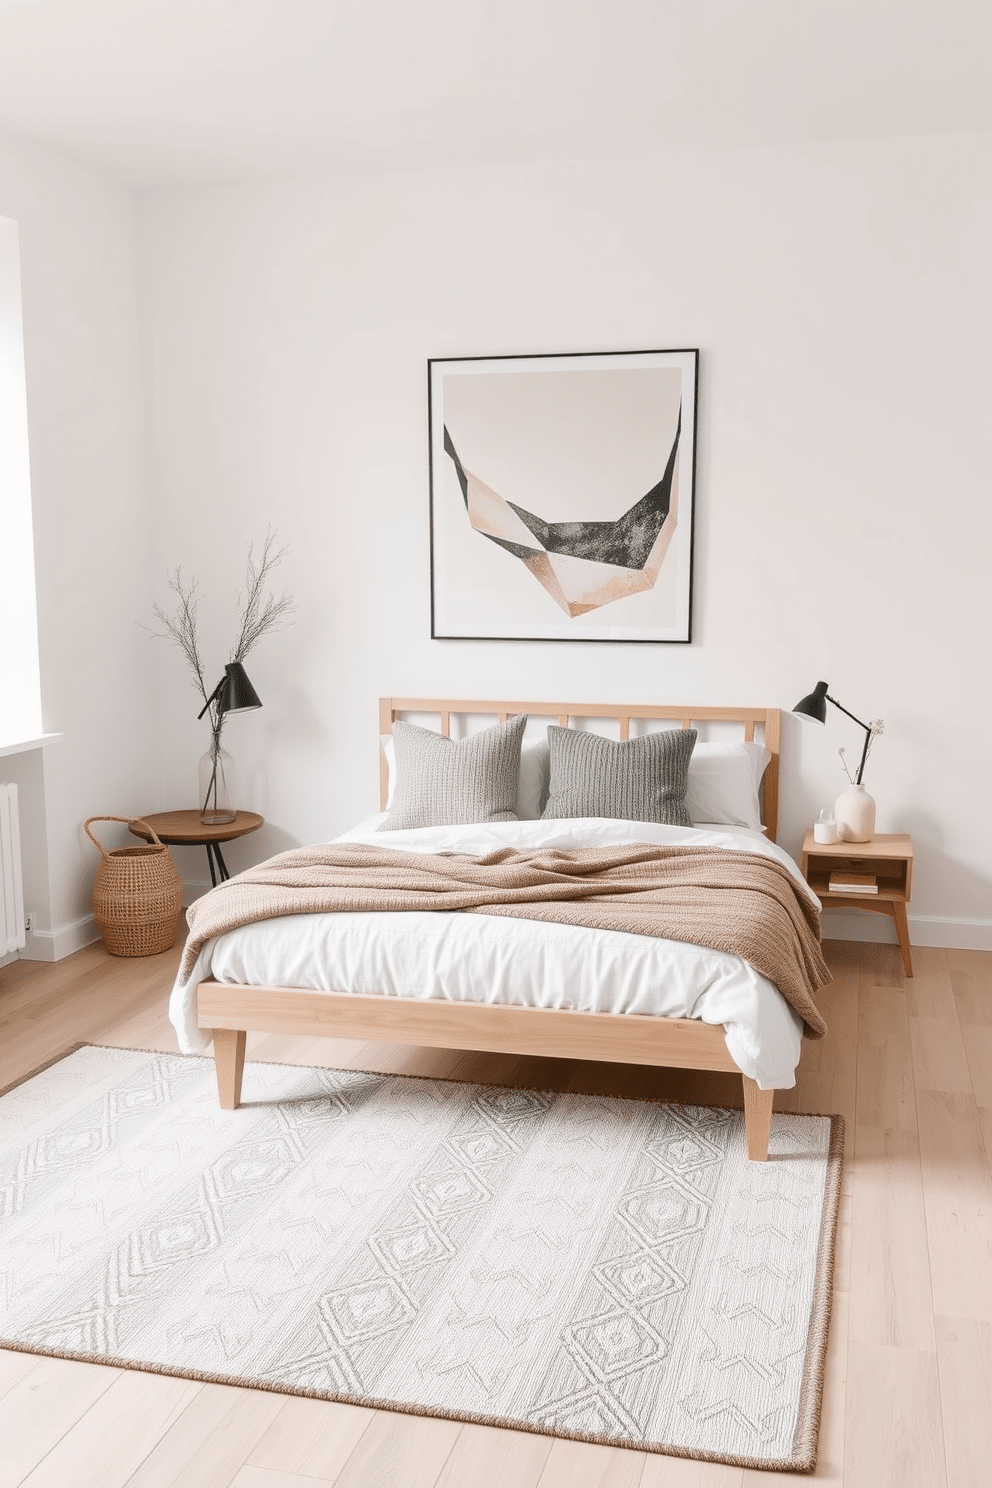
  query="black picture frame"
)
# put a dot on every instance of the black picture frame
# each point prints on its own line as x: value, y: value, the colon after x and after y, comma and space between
x: 562, y: 496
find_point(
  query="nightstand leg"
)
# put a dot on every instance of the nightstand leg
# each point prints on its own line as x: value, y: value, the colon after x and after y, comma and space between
x: 902, y: 929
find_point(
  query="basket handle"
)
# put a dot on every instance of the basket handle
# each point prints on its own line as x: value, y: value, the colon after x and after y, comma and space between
x: 127, y: 819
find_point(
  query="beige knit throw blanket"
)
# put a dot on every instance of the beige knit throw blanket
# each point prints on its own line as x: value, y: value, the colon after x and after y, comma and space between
x: 742, y: 903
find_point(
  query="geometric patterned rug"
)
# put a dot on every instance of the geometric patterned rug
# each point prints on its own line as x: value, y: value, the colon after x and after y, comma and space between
x: 609, y: 1270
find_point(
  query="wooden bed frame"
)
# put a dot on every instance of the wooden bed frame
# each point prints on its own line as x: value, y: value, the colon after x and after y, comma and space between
x: 682, y: 1043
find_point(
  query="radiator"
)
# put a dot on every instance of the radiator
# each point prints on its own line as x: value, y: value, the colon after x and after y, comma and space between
x: 11, y: 883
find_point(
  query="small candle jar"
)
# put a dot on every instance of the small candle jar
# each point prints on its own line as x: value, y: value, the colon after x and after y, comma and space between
x: 825, y: 830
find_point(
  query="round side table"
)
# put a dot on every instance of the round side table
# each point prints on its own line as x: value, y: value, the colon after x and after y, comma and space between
x: 185, y: 829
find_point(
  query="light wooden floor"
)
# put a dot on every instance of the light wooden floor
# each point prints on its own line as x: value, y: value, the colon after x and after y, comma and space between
x: 908, y: 1397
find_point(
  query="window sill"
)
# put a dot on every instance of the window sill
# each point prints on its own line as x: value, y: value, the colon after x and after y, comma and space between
x: 21, y: 746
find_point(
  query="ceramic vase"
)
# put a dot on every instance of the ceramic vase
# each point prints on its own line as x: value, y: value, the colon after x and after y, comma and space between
x: 854, y: 811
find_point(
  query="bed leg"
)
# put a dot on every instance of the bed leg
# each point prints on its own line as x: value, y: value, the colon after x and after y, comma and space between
x: 229, y: 1057
x: 757, y: 1119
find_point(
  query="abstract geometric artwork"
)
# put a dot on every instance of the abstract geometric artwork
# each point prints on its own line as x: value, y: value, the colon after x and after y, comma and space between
x: 561, y: 496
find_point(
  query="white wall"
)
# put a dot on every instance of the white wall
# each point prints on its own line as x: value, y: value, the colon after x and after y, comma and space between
x: 840, y: 299
x: 91, y: 527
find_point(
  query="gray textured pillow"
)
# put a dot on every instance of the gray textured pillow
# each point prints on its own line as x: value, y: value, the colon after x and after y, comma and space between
x: 440, y: 783
x: 637, y: 780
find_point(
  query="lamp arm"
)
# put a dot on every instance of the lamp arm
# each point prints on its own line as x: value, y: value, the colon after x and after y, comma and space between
x: 217, y: 690
x: 867, y: 729
x: 836, y: 705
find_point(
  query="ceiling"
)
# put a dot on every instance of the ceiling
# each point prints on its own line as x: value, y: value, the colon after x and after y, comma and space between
x: 171, y: 92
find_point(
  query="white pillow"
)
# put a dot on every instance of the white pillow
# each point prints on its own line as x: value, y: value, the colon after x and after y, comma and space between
x: 723, y: 784
x: 532, y: 787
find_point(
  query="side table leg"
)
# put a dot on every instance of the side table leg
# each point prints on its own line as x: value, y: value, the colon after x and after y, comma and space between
x: 218, y: 868
x: 902, y: 930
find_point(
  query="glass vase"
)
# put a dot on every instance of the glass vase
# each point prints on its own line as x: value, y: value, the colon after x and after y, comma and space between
x: 216, y: 786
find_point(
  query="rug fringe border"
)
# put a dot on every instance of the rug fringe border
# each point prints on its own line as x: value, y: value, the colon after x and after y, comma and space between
x: 806, y: 1436
x: 399, y: 1407
x: 40, y: 1069
x: 807, y: 1433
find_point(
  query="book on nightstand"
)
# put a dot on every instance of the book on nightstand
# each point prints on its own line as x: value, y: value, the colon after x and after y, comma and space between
x: 844, y: 882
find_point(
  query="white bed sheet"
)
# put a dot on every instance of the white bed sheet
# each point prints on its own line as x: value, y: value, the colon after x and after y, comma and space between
x: 478, y: 958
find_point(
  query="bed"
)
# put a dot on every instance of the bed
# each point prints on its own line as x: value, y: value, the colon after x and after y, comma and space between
x: 228, y: 1002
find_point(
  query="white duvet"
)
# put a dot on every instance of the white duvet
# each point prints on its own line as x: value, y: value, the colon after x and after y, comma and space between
x: 478, y: 958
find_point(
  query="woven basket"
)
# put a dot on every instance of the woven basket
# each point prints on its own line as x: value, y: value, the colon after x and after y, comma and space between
x: 138, y: 895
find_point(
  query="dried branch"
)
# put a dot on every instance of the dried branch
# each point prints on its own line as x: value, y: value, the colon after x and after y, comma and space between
x: 181, y: 626
x: 260, y: 613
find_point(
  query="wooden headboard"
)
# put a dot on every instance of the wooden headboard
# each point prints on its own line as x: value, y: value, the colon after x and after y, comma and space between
x: 566, y: 714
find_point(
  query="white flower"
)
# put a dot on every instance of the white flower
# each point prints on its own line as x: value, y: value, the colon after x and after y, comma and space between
x: 877, y: 726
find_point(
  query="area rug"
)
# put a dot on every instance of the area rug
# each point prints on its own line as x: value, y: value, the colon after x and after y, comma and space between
x: 607, y: 1270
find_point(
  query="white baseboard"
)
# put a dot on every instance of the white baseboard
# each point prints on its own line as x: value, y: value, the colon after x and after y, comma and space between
x: 9, y: 959
x: 942, y: 931
x: 55, y: 945
x: 954, y: 934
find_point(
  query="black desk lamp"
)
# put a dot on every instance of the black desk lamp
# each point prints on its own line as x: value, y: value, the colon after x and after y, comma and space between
x: 233, y: 694
x: 813, y: 708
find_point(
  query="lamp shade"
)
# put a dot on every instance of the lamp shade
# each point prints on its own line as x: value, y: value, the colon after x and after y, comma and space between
x: 813, y: 707
x: 236, y: 692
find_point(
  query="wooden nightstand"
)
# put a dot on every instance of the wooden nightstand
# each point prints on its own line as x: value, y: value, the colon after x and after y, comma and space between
x: 889, y: 855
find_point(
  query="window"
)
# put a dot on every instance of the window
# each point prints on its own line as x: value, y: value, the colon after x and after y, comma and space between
x: 20, y: 684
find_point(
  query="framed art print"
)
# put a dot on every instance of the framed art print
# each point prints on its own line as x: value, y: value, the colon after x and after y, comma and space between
x: 562, y: 496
